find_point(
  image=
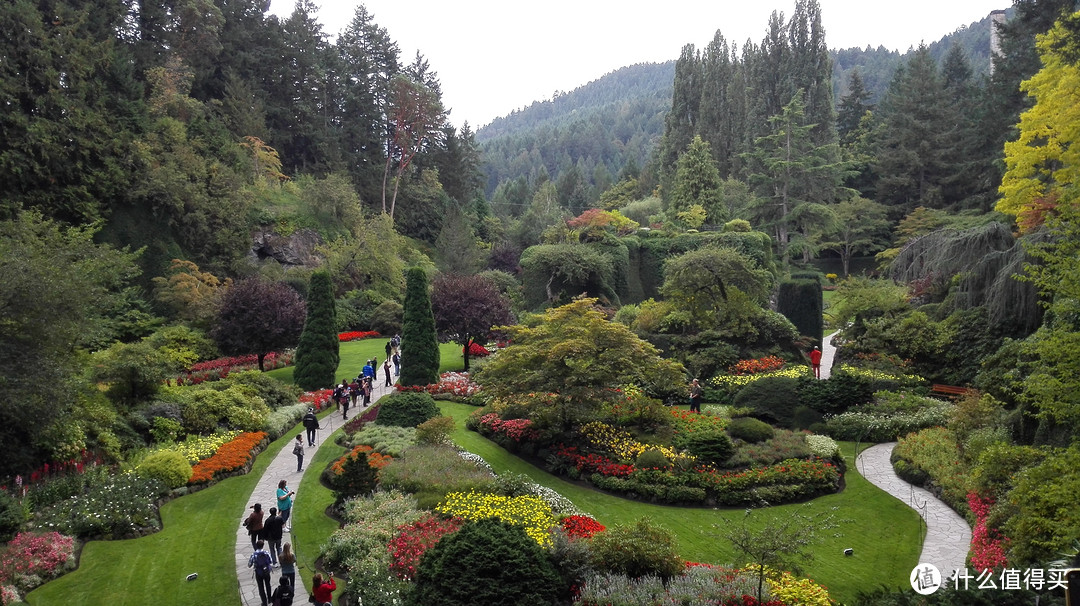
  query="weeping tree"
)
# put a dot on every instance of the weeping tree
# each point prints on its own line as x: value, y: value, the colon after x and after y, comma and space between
x: 976, y: 267
x: 317, y: 354
x: 419, y: 341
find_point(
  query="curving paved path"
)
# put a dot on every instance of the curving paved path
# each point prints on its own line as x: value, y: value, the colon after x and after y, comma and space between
x: 948, y: 535
x: 828, y: 353
x: 283, y: 467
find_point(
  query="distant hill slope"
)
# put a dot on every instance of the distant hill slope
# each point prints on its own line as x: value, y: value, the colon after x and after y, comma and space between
x: 599, y: 127
x: 602, y: 125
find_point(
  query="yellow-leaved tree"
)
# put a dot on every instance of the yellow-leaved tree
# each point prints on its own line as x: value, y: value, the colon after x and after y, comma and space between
x: 1043, y: 163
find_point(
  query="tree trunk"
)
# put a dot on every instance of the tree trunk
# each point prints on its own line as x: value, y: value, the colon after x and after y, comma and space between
x: 468, y: 345
x: 261, y: 356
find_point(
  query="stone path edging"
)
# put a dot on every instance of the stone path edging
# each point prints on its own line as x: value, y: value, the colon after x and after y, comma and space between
x: 283, y: 467
x: 948, y: 535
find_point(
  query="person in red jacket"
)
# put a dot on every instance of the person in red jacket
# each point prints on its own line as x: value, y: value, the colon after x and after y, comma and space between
x: 815, y: 361
x: 323, y: 590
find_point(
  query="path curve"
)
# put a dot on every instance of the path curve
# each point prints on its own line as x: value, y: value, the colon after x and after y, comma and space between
x: 828, y: 353
x: 283, y: 467
x: 948, y: 535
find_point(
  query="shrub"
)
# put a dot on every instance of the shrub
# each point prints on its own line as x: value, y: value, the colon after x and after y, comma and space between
x: 637, y: 550
x: 771, y: 398
x: 839, y: 392
x: 169, y: 466
x: 697, y: 585
x: 486, y: 562
x: 387, y: 439
x: 430, y: 472
x: 37, y: 558
x: 873, y: 423
x: 750, y: 430
x: 406, y: 409
x: 785, y: 444
x: 283, y: 419
x: 935, y: 451
x: 822, y: 446
x: 12, y: 515
x: 275, y: 393
x: 652, y: 458
x: 713, y: 447
x: 370, y: 523
x: 355, y: 473
x: 435, y: 431
x: 412, y: 540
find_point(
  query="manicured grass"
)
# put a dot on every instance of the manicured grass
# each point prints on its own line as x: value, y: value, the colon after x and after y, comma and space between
x: 311, y: 526
x: 354, y: 354
x: 884, y: 533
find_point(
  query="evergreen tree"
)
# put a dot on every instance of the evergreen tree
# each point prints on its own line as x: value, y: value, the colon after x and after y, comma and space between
x: 698, y: 182
x: 317, y: 354
x: 682, y: 121
x: 801, y: 302
x: 717, y: 124
x: 419, y: 341
x: 853, y: 107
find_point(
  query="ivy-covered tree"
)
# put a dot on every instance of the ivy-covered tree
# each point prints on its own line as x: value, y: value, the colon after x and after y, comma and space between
x: 317, y: 354
x: 258, y: 317
x: 419, y: 341
x: 466, y: 307
x: 716, y: 287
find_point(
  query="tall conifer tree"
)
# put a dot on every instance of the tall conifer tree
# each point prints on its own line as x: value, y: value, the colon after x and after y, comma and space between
x: 317, y: 355
x: 419, y: 341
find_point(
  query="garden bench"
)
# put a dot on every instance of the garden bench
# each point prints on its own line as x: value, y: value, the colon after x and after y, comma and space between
x: 950, y: 391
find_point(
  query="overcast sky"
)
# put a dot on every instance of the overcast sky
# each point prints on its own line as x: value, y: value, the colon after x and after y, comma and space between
x: 495, y: 56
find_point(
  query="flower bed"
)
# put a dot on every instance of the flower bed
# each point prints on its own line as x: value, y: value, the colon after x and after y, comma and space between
x: 755, y: 366
x: 988, y: 546
x: 531, y: 513
x: 580, y: 527
x: 476, y: 350
x: 412, y: 540
x: 733, y: 383
x: 514, y: 429
x: 356, y: 335
x: 31, y: 559
x: 120, y: 507
x: 622, y: 445
x: 455, y: 383
x: 319, y: 399
x: 590, y: 463
x: 212, y: 370
x: 197, y: 448
x: 376, y: 460
x: 235, y: 454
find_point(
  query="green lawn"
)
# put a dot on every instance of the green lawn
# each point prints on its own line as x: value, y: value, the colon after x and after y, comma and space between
x: 354, y: 354
x: 885, y: 534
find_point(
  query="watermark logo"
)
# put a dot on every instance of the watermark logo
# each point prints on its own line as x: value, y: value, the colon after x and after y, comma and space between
x: 925, y: 578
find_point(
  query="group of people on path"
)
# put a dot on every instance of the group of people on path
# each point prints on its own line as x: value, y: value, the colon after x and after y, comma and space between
x: 269, y: 551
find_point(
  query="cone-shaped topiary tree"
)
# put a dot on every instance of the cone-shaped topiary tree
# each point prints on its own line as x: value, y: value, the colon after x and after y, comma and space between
x: 419, y: 342
x: 317, y: 355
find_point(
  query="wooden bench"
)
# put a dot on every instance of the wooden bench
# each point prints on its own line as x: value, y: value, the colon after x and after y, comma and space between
x: 950, y: 391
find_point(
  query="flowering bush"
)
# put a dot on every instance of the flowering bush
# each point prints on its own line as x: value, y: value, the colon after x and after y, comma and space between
x: 580, y: 527
x: 212, y: 370
x: 733, y: 383
x: 698, y: 584
x: 755, y: 366
x: 789, y: 589
x: 531, y: 513
x: 123, y: 506
x: 515, y: 429
x: 476, y: 350
x: 318, y: 399
x: 622, y: 444
x: 590, y: 463
x: 196, y: 448
x: 873, y: 374
x: 988, y: 546
x: 413, y: 540
x: 43, y: 556
x: 822, y: 446
x: 455, y: 383
x: 785, y: 481
x: 231, y: 456
x: 356, y: 335
x: 686, y: 423
x: 376, y: 460
x: 874, y: 425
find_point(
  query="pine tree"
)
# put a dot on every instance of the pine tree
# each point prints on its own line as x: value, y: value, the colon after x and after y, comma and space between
x: 419, y: 341
x: 317, y: 354
x: 801, y: 302
x: 698, y: 182
x: 853, y: 106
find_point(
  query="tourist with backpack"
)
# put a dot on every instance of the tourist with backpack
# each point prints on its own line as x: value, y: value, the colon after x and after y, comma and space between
x: 311, y: 423
x: 261, y: 562
x: 283, y: 595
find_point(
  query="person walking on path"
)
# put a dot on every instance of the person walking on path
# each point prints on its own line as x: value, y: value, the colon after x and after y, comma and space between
x: 298, y: 450
x: 397, y: 364
x: 389, y: 350
x: 284, y: 500
x: 696, y: 393
x: 386, y: 371
x: 283, y: 595
x: 288, y: 564
x: 260, y: 561
x: 815, y: 361
x: 254, y: 523
x: 311, y: 423
x: 273, y: 528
